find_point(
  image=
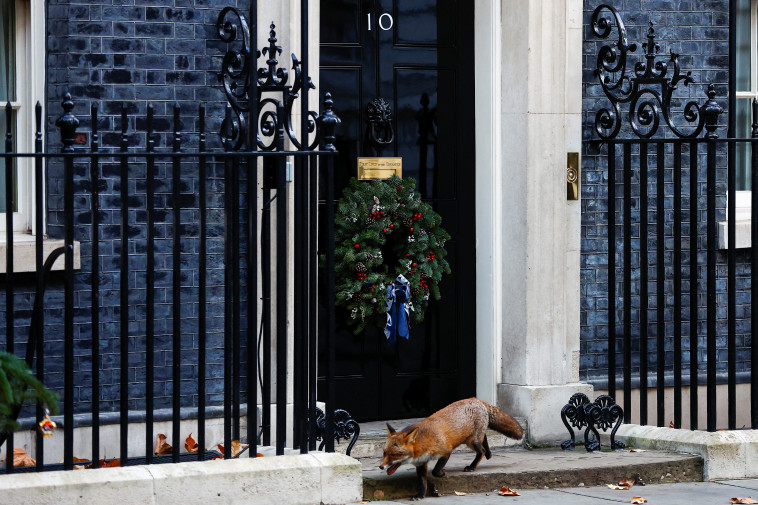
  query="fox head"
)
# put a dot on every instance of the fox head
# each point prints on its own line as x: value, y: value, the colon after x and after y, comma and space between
x: 398, y: 449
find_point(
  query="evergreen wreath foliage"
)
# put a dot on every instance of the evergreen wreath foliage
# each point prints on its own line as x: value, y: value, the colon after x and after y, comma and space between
x: 382, y: 230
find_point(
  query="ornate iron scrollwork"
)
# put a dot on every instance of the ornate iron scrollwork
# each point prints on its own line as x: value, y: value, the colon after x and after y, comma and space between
x: 275, y: 97
x: 379, y: 131
x: 573, y: 412
x: 580, y: 412
x: 648, y: 89
x: 345, y: 428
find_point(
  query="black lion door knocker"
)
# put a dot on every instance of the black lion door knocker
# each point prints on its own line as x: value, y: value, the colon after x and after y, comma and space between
x: 379, y: 131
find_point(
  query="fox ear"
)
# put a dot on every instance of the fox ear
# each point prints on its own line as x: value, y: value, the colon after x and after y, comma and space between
x: 411, y: 436
x: 390, y: 429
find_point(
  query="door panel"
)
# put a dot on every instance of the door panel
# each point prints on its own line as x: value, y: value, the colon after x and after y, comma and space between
x: 420, y: 66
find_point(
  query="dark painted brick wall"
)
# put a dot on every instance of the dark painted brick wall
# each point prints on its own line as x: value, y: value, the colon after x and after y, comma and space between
x: 698, y: 30
x: 111, y: 52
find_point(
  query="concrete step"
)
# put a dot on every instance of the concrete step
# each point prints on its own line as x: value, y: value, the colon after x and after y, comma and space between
x: 519, y: 469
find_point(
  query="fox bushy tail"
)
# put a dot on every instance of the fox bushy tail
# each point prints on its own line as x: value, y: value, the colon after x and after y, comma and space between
x: 505, y: 424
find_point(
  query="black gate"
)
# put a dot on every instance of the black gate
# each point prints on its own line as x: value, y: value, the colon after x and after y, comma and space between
x: 204, y: 212
x: 672, y: 295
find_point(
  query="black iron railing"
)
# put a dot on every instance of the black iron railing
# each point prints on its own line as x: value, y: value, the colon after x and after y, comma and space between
x: 672, y: 243
x: 239, y: 173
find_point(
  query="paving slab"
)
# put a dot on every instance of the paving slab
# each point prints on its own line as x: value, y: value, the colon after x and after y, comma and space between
x: 539, y: 468
x: 751, y: 484
x: 690, y: 493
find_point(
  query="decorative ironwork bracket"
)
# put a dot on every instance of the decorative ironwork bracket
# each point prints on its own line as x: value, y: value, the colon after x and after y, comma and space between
x: 579, y: 412
x: 345, y: 428
x: 274, y: 112
x: 648, y: 89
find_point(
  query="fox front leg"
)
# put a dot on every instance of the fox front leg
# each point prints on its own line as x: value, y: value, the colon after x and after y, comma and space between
x: 439, y: 468
x: 422, y: 484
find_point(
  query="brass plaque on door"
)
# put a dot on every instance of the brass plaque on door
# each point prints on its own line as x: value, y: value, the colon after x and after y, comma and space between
x: 379, y: 168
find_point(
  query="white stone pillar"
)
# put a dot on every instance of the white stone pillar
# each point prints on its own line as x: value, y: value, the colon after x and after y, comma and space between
x: 539, y: 235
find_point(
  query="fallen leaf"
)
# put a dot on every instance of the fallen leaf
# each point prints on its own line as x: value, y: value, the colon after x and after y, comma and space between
x: 259, y: 455
x: 671, y: 424
x: 21, y: 458
x: 378, y: 494
x: 637, y: 499
x: 506, y: 491
x: 627, y: 482
x: 617, y: 487
x: 107, y: 464
x: 744, y: 500
x: 458, y: 493
x: 237, y: 447
x: 190, y: 444
x: 637, y: 450
x: 161, y: 446
x: 364, y: 501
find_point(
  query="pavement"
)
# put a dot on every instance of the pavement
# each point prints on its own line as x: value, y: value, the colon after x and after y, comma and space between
x: 683, y: 493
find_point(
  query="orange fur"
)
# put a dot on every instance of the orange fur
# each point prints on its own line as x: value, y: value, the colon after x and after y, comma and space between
x: 462, y: 422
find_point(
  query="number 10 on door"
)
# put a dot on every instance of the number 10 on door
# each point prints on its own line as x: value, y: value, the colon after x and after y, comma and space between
x: 385, y: 21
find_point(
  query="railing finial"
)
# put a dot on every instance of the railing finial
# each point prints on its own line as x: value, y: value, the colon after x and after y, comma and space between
x: 67, y: 124
x: 711, y: 112
x: 329, y: 121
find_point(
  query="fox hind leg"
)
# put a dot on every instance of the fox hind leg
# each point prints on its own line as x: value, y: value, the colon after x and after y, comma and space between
x: 487, y: 452
x: 439, y: 468
x: 478, y: 448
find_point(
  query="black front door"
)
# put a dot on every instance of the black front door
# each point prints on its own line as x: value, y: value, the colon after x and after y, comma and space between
x: 418, y: 56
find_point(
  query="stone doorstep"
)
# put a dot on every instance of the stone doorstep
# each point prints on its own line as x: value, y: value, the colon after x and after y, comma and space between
x: 726, y: 454
x: 539, y: 468
x: 311, y: 479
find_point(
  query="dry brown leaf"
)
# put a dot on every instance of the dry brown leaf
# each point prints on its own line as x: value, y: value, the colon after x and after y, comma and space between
x: 21, y: 458
x: 259, y: 455
x: 458, y: 493
x: 617, y: 487
x: 190, y: 444
x: 107, y: 464
x: 744, y: 500
x: 506, y: 491
x: 671, y: 424
x: 627, y: 482
x: 161, y: 446
x: 637, y: 499
x: 637, y: 450
x: 237, y: 447
x: 378, y: 494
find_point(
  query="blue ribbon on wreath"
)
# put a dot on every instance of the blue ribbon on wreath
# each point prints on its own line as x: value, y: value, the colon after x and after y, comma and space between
x: 398, y: 293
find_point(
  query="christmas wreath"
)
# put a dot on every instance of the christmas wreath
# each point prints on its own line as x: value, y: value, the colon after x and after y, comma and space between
x: 386, y: 236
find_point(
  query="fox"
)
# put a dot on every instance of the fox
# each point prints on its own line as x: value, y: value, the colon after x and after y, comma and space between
x: 463, y: 422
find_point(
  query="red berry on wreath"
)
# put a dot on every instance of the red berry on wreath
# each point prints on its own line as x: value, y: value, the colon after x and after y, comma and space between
x: 386, y: 230
x: 411, y: 229
x: 399, y: 188
x: 392, y: 225
x: 357, y: 246
x: 414, y: 264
